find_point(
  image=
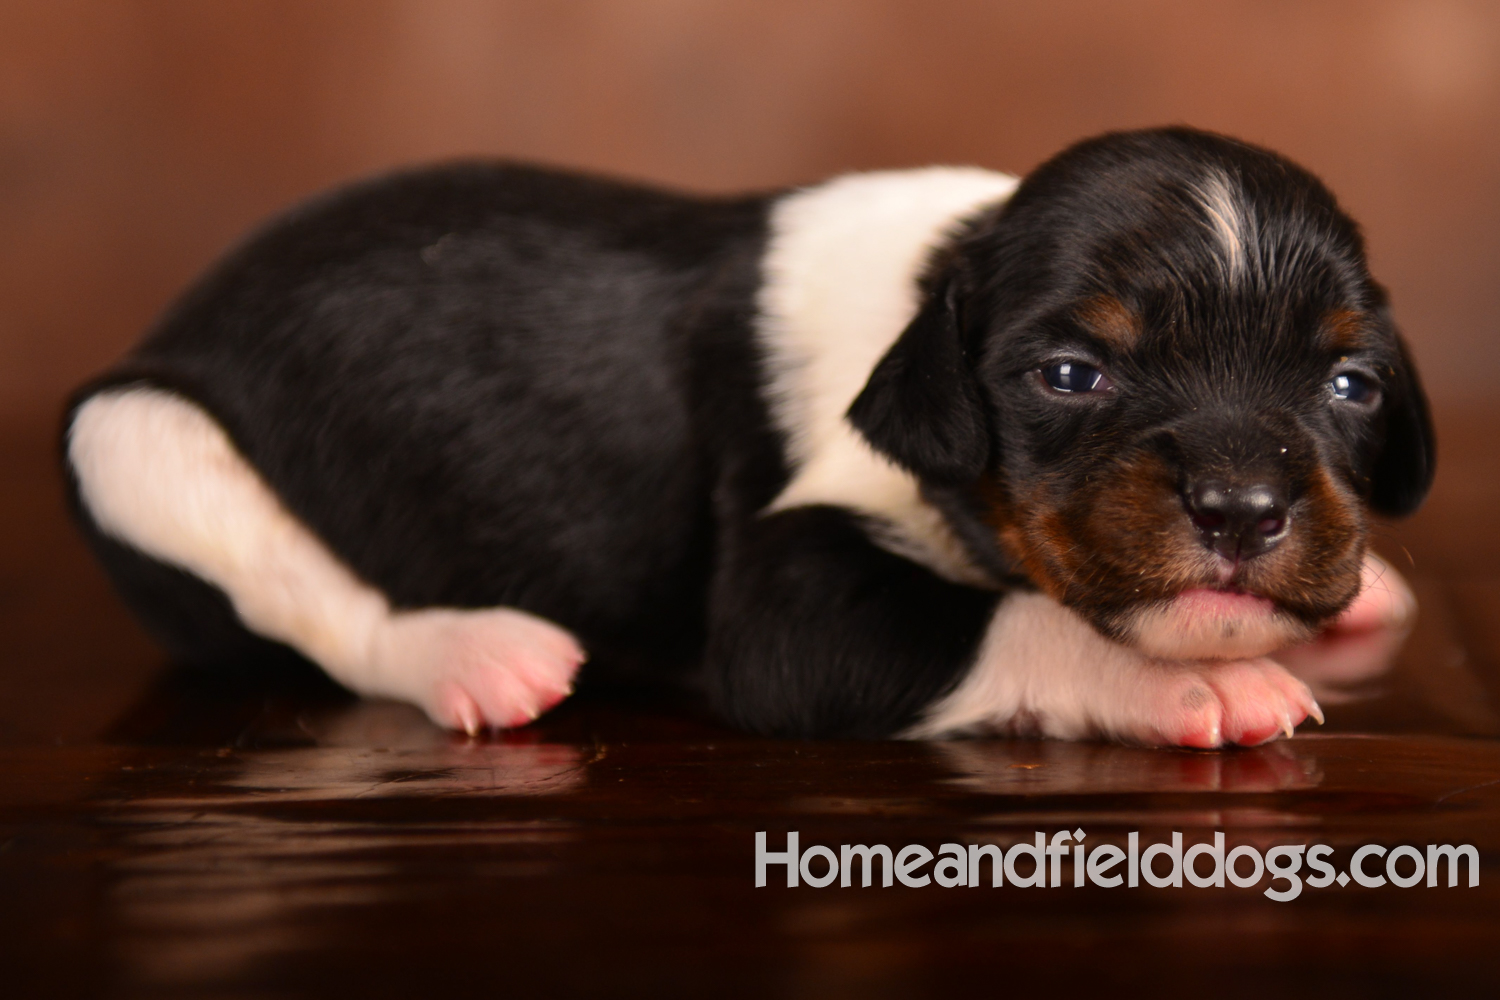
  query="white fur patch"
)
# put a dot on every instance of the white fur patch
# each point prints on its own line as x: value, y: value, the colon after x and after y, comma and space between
x: 1230, y: 220
x: 840, y: 284
x: 1037, y: 667
x: 158, y: 473
x: 1042, y: 669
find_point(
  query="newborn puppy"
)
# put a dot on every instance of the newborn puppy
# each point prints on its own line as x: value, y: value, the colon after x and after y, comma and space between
x: 905, y: 453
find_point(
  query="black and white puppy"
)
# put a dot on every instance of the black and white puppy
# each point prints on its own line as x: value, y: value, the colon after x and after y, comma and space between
x: 917, y: 452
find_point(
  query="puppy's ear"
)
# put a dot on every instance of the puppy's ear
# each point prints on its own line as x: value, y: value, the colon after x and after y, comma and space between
x: 1404, y: 467
x: 922, y: 405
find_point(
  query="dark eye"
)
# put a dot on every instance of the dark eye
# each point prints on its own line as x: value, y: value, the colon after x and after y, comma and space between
x: 1075, y: 376
x: 1352, y: 387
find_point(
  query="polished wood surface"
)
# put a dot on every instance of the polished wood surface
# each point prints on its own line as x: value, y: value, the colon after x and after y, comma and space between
x: 164, y: 833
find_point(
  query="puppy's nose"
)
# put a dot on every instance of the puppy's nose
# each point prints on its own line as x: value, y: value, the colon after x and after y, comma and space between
x: 1238, y: 520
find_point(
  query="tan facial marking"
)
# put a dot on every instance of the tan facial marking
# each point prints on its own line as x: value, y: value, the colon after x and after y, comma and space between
x: 1119, y: 547
x: 1344, y: 329
x: 1077, y: 548
x: 1111, y: 321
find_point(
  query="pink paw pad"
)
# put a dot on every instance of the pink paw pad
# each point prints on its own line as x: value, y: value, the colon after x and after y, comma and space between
x: 472, y: 670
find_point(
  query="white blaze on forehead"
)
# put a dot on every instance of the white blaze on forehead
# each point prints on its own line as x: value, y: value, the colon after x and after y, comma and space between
x: 1229, y: 218
x: 840, y: 284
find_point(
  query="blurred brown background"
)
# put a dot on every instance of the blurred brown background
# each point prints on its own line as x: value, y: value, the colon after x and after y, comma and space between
x: 138, y: 138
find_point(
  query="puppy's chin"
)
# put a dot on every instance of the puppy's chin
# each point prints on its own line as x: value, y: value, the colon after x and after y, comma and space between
x: 1214, y: 625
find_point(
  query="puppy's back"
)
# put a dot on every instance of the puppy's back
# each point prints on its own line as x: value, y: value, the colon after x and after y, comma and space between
x: 471, y: 383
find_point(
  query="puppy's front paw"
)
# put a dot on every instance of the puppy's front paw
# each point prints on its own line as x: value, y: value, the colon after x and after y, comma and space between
x: 471, y: 669
x: 1359, y: 646
x: 1207, y: 704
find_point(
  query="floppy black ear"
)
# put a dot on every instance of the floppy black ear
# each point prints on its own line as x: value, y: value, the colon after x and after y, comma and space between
x: 922, y: 405
x: 1407, y: 459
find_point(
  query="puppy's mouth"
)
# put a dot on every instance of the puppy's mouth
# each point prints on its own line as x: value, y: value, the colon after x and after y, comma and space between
x: 1204, y: 623
x: 1224, y: 602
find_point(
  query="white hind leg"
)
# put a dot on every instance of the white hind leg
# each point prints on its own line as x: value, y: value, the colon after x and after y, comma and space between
x: 156, y: 472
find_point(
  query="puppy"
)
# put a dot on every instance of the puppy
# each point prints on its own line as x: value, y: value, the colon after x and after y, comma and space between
x: 917, y: 453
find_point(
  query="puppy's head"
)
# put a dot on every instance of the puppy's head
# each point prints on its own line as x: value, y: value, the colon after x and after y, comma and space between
x: 1164, y: 376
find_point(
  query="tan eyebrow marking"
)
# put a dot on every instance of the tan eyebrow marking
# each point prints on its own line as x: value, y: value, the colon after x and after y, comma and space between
x: 1109, y: 319
x: 1344, y: 329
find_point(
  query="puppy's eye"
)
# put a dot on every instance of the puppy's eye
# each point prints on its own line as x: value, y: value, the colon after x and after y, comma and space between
x: 1351, y: 387
x: 1075, y: 376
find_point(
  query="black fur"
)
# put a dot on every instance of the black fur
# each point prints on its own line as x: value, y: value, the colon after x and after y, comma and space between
x: 491, y: 385
x: 816, y: 630
x: 1406, y: 462
x: 922, y: 405
x: 457, y: 376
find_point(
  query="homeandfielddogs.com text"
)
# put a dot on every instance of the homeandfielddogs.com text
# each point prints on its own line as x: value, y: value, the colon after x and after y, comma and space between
x: 1041, y: 863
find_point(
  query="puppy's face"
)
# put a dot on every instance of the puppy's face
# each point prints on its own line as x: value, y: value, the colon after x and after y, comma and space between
x: 1170, y: 390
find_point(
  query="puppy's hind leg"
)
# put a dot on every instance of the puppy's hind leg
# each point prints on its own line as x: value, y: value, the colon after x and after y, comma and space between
x: 157, y: 473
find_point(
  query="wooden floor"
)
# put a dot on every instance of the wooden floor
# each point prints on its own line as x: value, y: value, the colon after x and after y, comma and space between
x: 164, y: 835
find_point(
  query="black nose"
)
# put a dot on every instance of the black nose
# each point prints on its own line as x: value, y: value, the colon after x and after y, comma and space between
x: 1238, y: 520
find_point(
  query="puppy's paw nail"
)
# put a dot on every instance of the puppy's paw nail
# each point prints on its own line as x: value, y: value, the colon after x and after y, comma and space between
x: 1315, y: 710
x: 1286, y: 724
x: 1210, y: 738
x: 552, y: 699
x: 522, y: 718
